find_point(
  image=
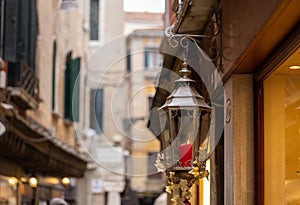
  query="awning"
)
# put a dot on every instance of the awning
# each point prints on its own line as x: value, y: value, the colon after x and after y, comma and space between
x: 35, y: 149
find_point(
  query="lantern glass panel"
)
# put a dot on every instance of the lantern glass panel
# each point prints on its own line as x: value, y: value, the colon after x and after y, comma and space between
x: 166, y: 143
x: 184, y: 129
x: 204, y: 136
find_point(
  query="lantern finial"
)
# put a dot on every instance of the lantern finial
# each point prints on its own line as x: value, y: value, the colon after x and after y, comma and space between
x: 184, y: 72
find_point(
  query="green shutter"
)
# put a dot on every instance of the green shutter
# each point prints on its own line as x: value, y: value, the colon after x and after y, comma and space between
x: 33, y: 33
x: 20, y: 31
x: 11, y: 30
x: 71, y: 100
x: 75, y: 91
x: 53, y: 75
x: 67, y: 107
x: 24, y: 34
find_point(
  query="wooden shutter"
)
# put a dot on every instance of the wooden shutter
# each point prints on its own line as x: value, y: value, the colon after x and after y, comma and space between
x: 11, y: 24
x: 75, y: 89
x: 33, y: 33
x: 53, y: 75
x: 20, y: 31
x: 71, y: 108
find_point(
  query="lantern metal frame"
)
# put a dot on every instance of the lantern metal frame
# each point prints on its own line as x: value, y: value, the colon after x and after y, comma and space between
x: 187, y: 117
x: 181, y: 178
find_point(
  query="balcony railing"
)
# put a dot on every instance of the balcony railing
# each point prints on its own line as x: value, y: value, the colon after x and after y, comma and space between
x: 23, y: 86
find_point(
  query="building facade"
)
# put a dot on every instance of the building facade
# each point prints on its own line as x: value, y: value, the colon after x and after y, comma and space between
x: 40, y: 62
x: 145, y: 62
x: 99, y: 134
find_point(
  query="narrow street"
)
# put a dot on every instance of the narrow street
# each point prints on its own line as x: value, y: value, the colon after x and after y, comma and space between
x: 138, y: 102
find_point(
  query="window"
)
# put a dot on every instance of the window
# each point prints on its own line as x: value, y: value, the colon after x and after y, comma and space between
x: 153, y: 59
x: 8, y: 191
x: 94, y: 20
x: 96, y: 110
x: 71, y: 98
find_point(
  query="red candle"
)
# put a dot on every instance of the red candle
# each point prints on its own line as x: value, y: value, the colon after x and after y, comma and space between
x: 186, y: 202
x: 185, y: 154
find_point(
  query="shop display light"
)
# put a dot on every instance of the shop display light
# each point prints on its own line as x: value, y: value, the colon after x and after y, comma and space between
x: 33, y: 181
x: 65, y: 181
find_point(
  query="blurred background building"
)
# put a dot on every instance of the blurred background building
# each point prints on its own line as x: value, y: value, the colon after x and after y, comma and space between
x: 118, y: 83
x: 77, y: 80
x: 43, y: 46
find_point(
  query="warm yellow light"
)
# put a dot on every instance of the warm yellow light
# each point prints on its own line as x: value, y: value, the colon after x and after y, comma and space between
x: 23, y: 179
x: 33, y: 182
x: 294, y: 67
x: 65, y: 181
x: 206, y: 186
x: 51, y: 180
x: 12, y: 181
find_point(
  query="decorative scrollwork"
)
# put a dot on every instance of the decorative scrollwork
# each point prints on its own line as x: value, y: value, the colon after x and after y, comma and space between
x: 210, y: 41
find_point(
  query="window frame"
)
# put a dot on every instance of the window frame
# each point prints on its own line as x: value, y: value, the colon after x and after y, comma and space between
x: 269, y: 66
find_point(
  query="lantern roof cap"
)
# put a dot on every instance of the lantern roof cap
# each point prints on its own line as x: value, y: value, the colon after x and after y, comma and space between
x: 185, y: 94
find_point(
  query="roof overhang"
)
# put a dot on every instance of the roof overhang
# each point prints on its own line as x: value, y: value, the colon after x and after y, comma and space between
x: 191, y: 19
x: 193, y: 15
x: 36, y: 150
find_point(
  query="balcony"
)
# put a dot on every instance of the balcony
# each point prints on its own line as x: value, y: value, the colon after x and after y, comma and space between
x: 23, y: 86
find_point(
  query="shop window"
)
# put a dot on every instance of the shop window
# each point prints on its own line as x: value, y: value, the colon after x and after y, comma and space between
x: 71, y: 97
x: 282, y: 137
x: 8, y: 193
x: 94, y: 19
x: 204, y: 190
x: 96, y: 110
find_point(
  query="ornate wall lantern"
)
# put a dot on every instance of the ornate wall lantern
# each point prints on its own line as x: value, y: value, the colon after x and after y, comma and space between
x: 185, y: 139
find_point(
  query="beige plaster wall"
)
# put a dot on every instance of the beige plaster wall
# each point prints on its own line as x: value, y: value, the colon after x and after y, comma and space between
x: 66, y: 28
